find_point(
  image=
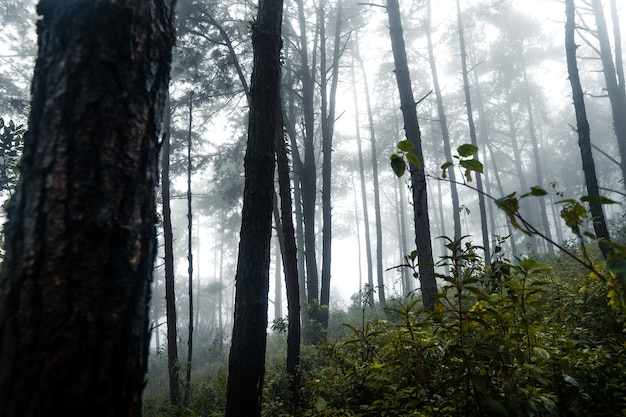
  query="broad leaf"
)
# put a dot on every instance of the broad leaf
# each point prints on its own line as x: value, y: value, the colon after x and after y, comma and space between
x: 467, y: 150
x: 406, y: 145
x: 398, y: 165
x: 597, y: 199
x: 414, y: 160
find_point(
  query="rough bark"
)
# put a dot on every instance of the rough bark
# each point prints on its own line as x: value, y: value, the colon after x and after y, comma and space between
x: 428, y: 284
x: 246, y: 365
x: 584, y: 131
x: 81, y: 240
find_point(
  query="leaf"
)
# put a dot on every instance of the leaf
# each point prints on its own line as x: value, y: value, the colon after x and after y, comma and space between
x: 405, y: 145
x: 444, y: 169
x: 472, y: 165
x: 321, y: 404
x: 571, y: 380
x: 597, y: 199
x: 414, y: 160
x: 398, y: 165
x: 467, y: 150
x: 536, y: 191
x: 541, y: 353
x: 480, y: 383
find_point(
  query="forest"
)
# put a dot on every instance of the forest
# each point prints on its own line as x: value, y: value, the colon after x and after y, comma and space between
x: 312, y: 208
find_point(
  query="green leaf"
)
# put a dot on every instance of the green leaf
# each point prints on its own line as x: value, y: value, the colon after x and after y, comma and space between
x: 541, y: 353
x: 536, y: 191
x: 467, y: 150
x: 405, y: 145
x: 571, y: 380
x: 444, y: 169
x: 597, y: 199
x: 472, y: 165
x: 398, y: 165
x: 414, y: 160
x: 321, y: 404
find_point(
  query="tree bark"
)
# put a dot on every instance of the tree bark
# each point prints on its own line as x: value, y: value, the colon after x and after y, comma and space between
x: 246, y: 365
x: 428, y: 284
x: 584, y: 131
x: 189, y: 257
x: 81, y: 238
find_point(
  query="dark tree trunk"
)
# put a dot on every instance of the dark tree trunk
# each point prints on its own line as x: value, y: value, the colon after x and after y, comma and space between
x: 290, y: 261
x: 584, y: 132
x: 472, y: 129
x: 328, y: 128
x: 246, y: 365
x: 428, y: 284
x: 309, y: 173
x: 80, y: 240
x: 168, y: 244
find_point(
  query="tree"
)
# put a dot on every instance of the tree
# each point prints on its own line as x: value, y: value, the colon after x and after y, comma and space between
x: 168, y: 245
x: 246, y: 365
x: 584, y: 131
x: 428, y: 284
x: 80, y: 240
x: 615, y: 91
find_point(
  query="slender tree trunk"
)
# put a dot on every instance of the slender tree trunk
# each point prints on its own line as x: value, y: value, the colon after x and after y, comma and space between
x: 246, y: 365
x: 81, y: 237
x: 536, y: 154
x: 308, y: 175
x: 617, y: 97
x: 290, y: 261
x: 472, y: 129
x: 189, y: 255
x: 366, y: 221
x: 584, y: 132
x: 377, y: 216
x: 443, y: 123
x: 418, y: 179
x: 168, y: 238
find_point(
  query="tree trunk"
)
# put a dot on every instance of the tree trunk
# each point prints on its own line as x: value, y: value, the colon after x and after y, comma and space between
x: 584, y: 132
x: 81, y: 238
x: 309, y: 175
x: 617, y: 97
x: 428, y: 284
x: 189, y: 256
x: 168, y: 243
x: 328, y: 128
x: 290, y: 261
x: 366, y: 221
x: 443, y: 123
x: 246, y: 365
x: 377, y: 215
x: 472, y: 129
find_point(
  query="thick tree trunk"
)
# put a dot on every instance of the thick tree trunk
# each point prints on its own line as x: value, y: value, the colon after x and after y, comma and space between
x: 584, y: 132
x: 246, y: 365
x: 168, y: 245
x: 80, y: 240
x: 418, y: 179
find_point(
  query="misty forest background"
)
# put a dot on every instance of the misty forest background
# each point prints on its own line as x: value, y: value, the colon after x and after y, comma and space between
x: 520, y: 326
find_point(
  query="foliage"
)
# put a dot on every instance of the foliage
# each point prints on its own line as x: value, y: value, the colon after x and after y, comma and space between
x: 11, y: 146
